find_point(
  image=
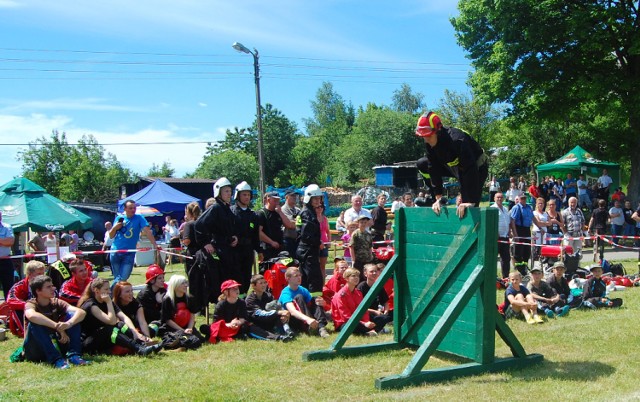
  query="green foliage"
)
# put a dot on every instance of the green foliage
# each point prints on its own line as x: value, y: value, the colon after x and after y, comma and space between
x: 404, y: 100
x: 164, y: 170
x: 83, y: 172
x: 234, y: 165
x: 553, y: 60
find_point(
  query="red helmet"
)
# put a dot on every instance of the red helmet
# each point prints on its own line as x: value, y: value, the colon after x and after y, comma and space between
x: 153, y: 272
x: 428, y: 125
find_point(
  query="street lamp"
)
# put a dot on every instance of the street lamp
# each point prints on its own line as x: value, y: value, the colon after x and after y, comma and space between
x: 256, y: 72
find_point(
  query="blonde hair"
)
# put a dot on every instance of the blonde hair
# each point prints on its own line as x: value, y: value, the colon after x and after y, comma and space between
x: 290, y: 271
x: 33, y: 266
x: 349, y: 272
x: 174, y: 282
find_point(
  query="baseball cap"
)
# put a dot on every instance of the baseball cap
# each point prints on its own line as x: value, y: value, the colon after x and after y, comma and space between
x: 228, y: 284
x: 559, y: 264
x: 272, y: 194
x: 361, y: 217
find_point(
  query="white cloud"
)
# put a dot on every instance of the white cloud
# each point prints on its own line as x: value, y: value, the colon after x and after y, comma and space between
x: 202, y: 104
x: 9, y: 4
x: 91, y: 104
x: 139, y: 157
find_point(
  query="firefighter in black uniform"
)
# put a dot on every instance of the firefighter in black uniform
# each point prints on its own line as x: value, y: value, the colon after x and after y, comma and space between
x: 309, y: 246
x: 453, y: 153
x: 216, y: 228
x: 247, y: 228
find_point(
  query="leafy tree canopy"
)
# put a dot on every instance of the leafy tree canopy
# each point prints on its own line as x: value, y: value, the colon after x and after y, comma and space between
x: 232, y: 164
x: 164, y: 170
x: 404, y: 100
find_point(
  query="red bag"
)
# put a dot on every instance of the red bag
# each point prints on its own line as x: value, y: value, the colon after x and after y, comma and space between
x: 220, y: 332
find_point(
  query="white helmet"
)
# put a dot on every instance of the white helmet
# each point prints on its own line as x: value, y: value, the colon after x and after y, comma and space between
x: 311, y: 191
x: 243, y: 186
x: 222, y: 182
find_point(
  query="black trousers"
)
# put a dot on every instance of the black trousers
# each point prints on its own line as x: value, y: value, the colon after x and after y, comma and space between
x: 505, y: 256
x: 522, y: 252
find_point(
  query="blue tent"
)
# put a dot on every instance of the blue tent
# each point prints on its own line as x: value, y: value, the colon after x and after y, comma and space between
x: 160, y: 196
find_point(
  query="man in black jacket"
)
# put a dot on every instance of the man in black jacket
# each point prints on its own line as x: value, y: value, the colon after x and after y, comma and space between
x: 453, y: 153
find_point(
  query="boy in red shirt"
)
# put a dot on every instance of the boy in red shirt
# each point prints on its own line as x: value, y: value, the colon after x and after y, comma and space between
x: 345, y: 302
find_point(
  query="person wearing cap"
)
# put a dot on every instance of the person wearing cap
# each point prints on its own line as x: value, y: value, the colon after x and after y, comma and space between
x: 217, y: 231
x: 125, y: 233
x: 549, y: 301
x: 73, y: 288
x: 271, y: 220
x: 310, y: 244
x: 559, y: 283
x: 453, y: 153
x: 594, y: 291
x: 291, y: 211
x: 231, y: 313
x: 6, y: 265
x: 248, y: 237
x: 361, y: 244
x: 151, y: 296
x: 522, y: 217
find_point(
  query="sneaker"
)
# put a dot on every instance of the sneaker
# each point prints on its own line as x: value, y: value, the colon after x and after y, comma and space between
x: 530, y: 320
x: 371, y: 333
x: 550, y: 313
x: 588, y: 304
x: 564, y: 312
x: 61, y: 364
x: 323, y: 332
x: 385, y: 331
x: 538, y: 319
x: 285, y: 338
x: 76, y: 360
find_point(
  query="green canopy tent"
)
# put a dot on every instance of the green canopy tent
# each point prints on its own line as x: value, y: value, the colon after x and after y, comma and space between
x: 578, y: 161
x: 25, y: 205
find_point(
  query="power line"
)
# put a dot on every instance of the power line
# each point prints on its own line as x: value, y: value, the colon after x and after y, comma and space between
x: 116, y: 143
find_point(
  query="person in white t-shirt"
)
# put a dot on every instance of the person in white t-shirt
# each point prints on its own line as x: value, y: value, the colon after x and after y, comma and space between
x: 583, y: 195
x: 604, y: 182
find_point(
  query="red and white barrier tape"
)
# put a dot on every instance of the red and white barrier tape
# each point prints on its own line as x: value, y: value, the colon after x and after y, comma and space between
x: 35, y: 255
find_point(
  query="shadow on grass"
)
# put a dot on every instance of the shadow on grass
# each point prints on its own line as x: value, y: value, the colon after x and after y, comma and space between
x: 585, y: 371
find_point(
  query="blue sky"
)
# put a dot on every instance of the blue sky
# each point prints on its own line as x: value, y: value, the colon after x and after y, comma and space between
x: 164, y: 71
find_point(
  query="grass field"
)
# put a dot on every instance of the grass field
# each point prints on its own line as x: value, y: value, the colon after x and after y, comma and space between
x: 589, y: 355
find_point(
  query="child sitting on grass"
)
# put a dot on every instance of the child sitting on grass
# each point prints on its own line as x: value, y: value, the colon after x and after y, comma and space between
x: 345, y: 302
x: 336, y: 282
x: 231, y: 319
x: 307, y: 313
x: 549, y: 301
x: 260, y: 311
x: 594, y: 291
x: 519, y: 301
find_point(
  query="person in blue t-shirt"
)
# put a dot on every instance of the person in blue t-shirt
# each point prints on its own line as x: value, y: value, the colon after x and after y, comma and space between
x: 307, y: 313
x: 125, y: 233
x: 521, y: 219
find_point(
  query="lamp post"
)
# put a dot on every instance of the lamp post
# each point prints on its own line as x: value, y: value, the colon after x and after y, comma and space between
x: 256, y: 72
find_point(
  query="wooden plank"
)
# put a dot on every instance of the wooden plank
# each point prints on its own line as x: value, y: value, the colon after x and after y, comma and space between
x: 508, y: 336
x: 444, y: 324
x: 463, y: 370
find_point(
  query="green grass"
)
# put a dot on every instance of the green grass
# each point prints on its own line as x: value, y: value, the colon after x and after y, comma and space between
x: 589, y: 355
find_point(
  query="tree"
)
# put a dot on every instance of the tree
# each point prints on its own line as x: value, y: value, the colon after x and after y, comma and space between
x: 404, y: 100
x: 470, y: 114
x: 82, y: 172
x: 548, y: 58
x: 279, y: 135
x: 164, y: 170
x: 234, y: 165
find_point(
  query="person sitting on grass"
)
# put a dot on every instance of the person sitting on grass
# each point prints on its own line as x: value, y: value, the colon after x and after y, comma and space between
x: 177, y: 315
x: 150, y: 298
x: 307, y: 312
x: 336, y: 282
x: 559, y: 283
x: 345, y: 302
x: 519, y: 302
x: 260, y: 313
x: 594, y: 291
x: 105, y: 325
x: 549, y: 301
x: 73, y: 288
x: 53, y: 329
x: 379, y: 307
x: 130, y: 307
x: 231, y: 319
x: 20, y: 292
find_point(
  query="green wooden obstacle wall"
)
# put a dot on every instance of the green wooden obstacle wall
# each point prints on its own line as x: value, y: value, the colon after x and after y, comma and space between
x: 444, y: 269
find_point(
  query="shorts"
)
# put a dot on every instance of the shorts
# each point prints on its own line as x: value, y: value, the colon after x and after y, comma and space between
x: 324, y: 252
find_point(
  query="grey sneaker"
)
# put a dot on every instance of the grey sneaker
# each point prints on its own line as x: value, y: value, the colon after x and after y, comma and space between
x: 323, y: 332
